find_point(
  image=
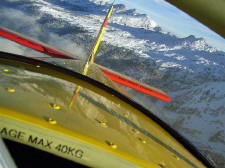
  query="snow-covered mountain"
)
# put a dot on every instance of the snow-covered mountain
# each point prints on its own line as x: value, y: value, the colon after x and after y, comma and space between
x: 188, y: 69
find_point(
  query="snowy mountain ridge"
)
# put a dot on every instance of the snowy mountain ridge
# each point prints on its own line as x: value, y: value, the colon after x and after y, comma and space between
x: 188, y: 69
x: 137, y: 32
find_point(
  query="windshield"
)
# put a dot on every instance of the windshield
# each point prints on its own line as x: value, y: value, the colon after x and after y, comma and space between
x: 188, y: 68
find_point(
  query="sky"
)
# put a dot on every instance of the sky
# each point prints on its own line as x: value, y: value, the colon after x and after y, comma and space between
x: 173, y: 20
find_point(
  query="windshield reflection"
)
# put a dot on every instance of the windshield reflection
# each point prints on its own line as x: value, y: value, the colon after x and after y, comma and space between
x: 188, y: 69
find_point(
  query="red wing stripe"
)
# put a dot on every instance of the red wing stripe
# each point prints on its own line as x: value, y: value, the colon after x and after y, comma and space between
x: 136, y: 86
x: 33, y: 45
x: 57, y: 54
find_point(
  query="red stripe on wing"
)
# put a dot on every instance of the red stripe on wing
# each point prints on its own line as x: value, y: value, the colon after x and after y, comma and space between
x: 136, y: 86
x: 33, y: 45
x: 56, y: 54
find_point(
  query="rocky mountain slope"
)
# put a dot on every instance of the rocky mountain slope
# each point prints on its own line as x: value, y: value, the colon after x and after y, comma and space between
x: 188, y: 69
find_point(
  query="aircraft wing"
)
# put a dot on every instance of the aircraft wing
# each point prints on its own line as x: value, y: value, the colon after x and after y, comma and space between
x: 103, y: 129
x: 55, y: 53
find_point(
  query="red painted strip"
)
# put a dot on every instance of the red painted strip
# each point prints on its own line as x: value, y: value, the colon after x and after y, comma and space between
x: 136, y: 86
x: 106, y: 21
x: 120, y: 89
x: 56, y: 54
x: 33, y: 45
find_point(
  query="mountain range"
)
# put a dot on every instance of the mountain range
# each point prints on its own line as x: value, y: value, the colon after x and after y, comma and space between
x: 188, y: 69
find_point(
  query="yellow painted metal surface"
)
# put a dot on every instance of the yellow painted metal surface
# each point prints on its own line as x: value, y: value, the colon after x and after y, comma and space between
x: 110, y: 131
x: 92, y: 54
x: 100, y: 34
x: 63, y: 142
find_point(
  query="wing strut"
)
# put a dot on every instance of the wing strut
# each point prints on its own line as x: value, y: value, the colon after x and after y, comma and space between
x: 55, y: 53
x: 93, y: 52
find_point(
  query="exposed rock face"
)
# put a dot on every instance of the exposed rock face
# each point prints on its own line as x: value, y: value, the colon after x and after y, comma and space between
x: 188, y: 69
